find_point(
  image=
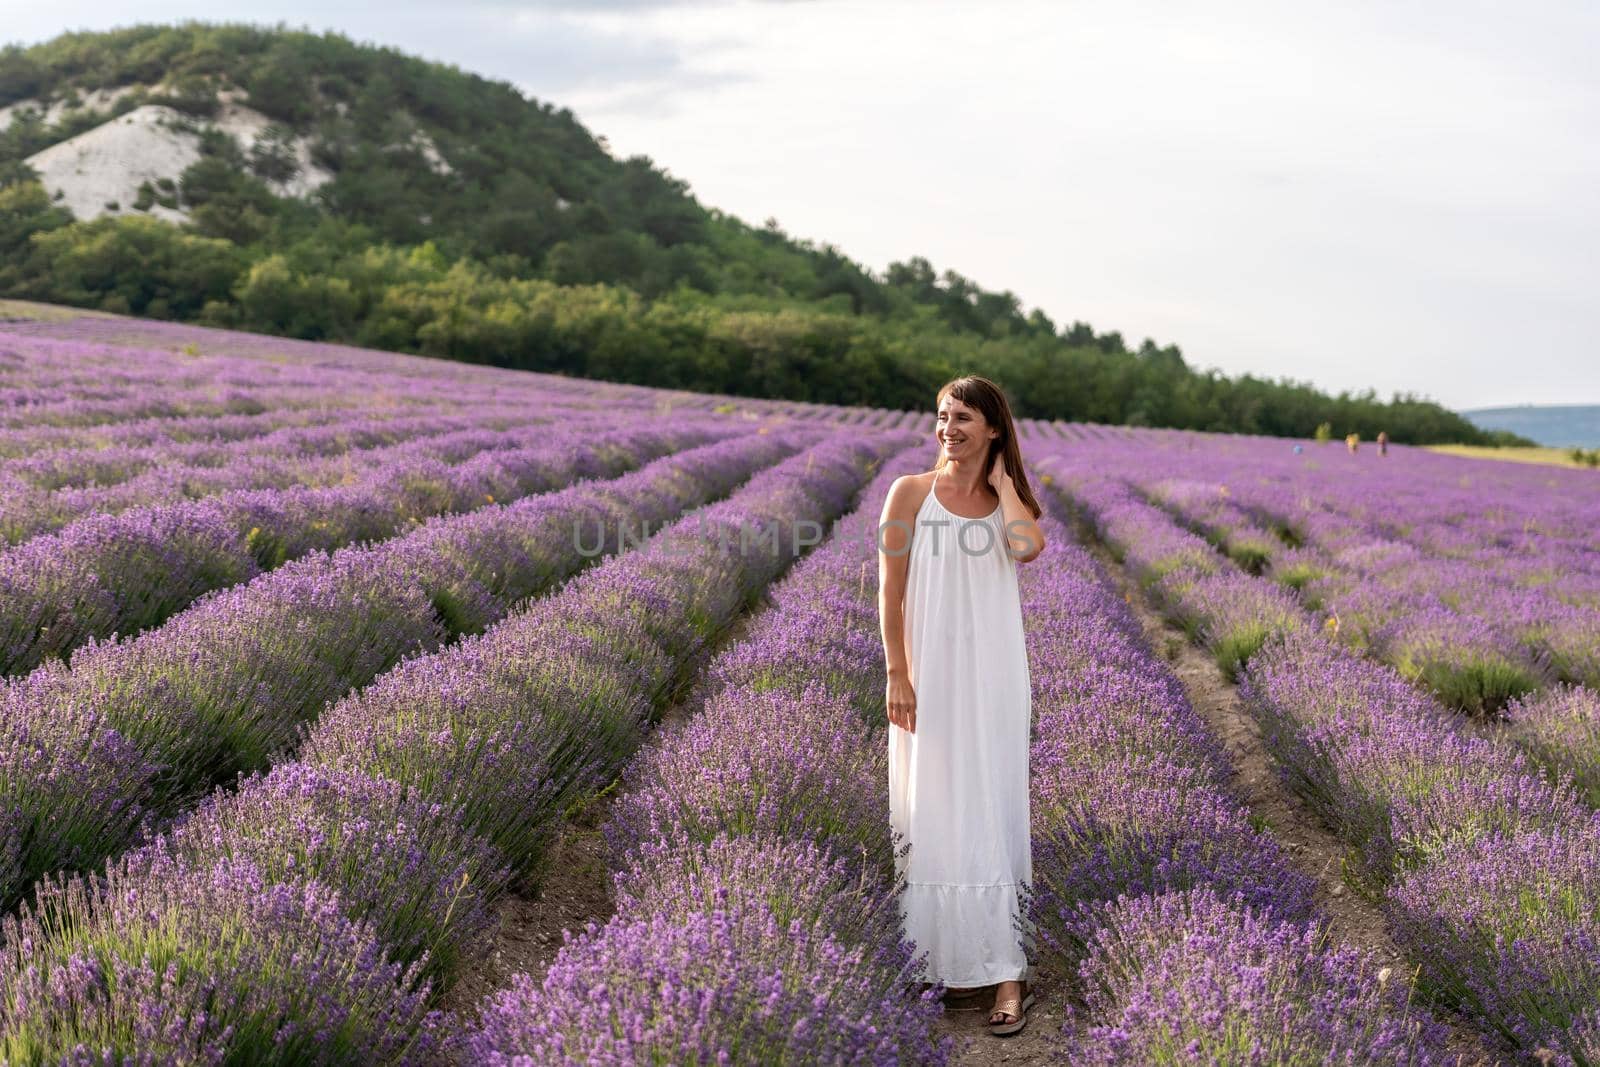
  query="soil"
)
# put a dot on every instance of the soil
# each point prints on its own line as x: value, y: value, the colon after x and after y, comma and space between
x: 1352, y: 916
x: 1039, y: 1042
x: 531, y: 930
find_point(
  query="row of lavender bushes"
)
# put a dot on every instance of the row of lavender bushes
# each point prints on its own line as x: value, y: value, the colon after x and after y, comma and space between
x: 1479, y: 645
x: 139, y: 729
x: 756, y: 918
x: 754, y: 879
x: 1443, y: 824
x: 81, y: 385
x: 1191, y: 937
x: 83, y: 373
x: 65, y: 487
x: 127, y: 572
x: 1488, y: 867
x: 41, y: 415
x: 1468, y: 662
x: 78, y: 413
x: 186, y: 431
x: 313, y: 915
x: 1475, y: 639
x: 67, y: 372
x: 341, y: 432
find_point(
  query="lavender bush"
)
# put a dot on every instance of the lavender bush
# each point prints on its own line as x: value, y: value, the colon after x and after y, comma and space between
x: 209, y: 965
x: 1231, y: 614
x: 762, y: 763
x: 799, y: 880
x: 1383, y: 763
x: 1507, y: 928
x: 153, y: 722
x: 1560, y: 727
x: 1192, y: 977
x: 401, y: 863
x: 1469, y: 663
x: 734, y: 985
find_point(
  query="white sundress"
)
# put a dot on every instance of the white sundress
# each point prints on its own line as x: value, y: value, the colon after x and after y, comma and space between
x: 958, y: 786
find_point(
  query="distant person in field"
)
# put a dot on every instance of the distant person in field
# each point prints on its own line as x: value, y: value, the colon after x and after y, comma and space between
x: 1351, y: 441
x: 1383, y: 442
x: 958, y: 697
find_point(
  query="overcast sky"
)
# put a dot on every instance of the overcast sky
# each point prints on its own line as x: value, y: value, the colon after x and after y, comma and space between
x: 1395, y: 195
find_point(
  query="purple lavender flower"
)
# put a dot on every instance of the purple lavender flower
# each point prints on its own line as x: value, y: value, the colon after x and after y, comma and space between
x: 1383, y: 763
x: 732, y: 985
x: 1507, y: 928
x: 800, y: 881
x: 765, y: 763
x: 1560, y: 727
x: 1192, y: 977
x: 401, y: 863
x: 204, y: 965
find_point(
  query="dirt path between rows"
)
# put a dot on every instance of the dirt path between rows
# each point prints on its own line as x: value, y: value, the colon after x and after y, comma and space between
x: 530, y: 930
x: 1039, y: 1042
x: 1353, y: 918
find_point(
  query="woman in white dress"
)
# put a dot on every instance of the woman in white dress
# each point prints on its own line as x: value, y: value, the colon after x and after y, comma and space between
x: 958, y: 697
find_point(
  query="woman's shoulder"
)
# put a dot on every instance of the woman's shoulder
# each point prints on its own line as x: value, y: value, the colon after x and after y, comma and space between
x: 907, y: 492
x: 910, y: 482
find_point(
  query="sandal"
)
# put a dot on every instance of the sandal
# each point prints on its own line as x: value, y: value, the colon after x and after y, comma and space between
x: 1016, y: 1009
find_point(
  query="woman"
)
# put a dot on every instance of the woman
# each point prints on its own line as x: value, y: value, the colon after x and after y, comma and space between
x: 959, y: 704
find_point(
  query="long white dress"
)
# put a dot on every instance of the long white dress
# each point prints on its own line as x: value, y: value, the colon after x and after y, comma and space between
x: 958, y: 785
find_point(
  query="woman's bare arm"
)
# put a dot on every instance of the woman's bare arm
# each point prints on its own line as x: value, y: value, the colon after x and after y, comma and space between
x: 894, y: 556
x: 1024, y: 539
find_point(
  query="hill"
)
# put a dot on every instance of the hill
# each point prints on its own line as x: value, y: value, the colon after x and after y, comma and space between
x: 1556, y: 425
x: 310, y: 186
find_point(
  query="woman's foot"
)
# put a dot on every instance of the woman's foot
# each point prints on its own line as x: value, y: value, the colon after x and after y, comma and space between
x: 1011, y: 1003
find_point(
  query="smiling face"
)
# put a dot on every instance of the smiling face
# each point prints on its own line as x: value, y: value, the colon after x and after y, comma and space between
x: 963, y: 434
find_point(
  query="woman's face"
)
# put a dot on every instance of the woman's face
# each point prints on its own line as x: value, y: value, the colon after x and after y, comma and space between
x: 963, y: 434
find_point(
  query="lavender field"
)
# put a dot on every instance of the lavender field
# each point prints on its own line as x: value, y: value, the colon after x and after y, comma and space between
x: 311, y: 694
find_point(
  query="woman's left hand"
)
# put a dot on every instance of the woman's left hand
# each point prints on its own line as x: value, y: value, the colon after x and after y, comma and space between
x: 998, y: 476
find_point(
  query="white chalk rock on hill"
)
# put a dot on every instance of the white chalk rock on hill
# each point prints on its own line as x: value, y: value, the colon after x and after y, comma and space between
x: 99, y: 171
x: 96, y: 100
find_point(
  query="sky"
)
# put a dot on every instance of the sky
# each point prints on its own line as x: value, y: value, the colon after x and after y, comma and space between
x: 1395, y: 195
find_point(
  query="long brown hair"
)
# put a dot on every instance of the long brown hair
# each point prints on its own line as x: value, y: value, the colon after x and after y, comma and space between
x: 980, y: 393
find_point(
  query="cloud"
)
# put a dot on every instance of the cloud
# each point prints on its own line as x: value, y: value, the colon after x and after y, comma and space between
x: 547, y: 54
x: 586, y: 7
x: 549, y: 48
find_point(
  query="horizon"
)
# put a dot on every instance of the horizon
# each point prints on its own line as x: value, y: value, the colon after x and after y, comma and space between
x: 1300, y: 197
x: 1579, y: 404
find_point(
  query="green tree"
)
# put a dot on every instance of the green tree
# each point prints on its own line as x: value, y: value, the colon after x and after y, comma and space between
x: 132, y: 263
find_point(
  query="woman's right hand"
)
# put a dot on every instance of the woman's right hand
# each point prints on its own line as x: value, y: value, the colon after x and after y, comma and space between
x: 901, y: 700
